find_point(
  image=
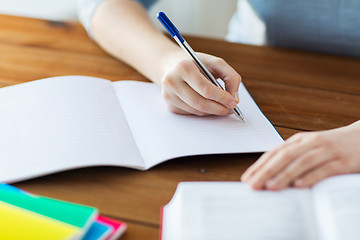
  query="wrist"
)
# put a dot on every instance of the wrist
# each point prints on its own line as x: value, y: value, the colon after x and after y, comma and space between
x: 170, y: 59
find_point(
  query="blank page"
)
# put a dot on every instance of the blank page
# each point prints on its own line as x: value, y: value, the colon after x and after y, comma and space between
x: 162, y: 135
x: 62, y: 123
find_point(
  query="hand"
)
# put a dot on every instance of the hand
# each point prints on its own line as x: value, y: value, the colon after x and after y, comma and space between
x: 187, y: 91
x: 306, y: 158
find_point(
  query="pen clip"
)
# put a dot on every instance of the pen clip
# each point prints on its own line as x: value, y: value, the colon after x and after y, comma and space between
x: 169, y: 26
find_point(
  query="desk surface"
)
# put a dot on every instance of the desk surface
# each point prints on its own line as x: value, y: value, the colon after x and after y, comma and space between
x: 297, y: 91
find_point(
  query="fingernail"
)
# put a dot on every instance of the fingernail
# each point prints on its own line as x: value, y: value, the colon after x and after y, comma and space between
x: 272, y: 185
x: 232, y: 104
x: 237, y: 96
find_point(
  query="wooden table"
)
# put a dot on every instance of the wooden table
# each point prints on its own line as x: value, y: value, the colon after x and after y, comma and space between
x: 297, y: 91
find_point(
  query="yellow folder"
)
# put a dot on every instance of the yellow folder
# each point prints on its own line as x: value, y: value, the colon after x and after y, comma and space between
x: 18, y: 224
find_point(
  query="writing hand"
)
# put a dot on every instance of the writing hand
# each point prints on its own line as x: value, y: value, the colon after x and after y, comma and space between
x: 187, y: 91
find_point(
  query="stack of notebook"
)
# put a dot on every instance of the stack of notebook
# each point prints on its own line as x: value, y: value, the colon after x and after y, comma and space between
x: 27, y: 216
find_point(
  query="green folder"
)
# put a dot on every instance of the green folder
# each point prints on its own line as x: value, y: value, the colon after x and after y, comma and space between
x: 70, y: 213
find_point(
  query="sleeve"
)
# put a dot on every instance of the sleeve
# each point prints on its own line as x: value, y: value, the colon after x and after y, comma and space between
x: 86, y: 9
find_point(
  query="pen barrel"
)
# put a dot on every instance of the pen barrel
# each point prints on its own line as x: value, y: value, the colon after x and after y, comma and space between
x: 184, y: 45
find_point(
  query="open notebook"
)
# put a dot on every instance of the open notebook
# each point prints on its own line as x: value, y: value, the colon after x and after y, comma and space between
x: 68, y: 122
x: 231, y: 210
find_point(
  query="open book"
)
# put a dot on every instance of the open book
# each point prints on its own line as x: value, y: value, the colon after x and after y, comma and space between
x: 68, y: 122
x: 231, y: 210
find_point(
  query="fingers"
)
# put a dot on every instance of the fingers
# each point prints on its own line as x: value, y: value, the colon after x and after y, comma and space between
x: 196, y: 92
x: 184, y: 97
x: 208, y: 91
x: 263, y: 160
x: 257, y: 165
x: 178, y: 106
x: 275, y: 164
x: 187, y: 90
x: 304, y: 163
x: 220, y: 69
x: 305, y: 159
x: 328, y: 169
x: 202, y: 104
x: 269, y: 155
x: 198, y: 82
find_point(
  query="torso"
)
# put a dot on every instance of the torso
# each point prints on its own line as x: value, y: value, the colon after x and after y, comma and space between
x: 331, y: 26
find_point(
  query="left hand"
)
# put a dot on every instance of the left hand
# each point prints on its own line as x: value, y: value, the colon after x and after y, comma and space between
x: 306, y: 158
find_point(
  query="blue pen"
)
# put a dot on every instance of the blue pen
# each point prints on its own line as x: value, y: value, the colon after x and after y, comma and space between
x: 169, y: 26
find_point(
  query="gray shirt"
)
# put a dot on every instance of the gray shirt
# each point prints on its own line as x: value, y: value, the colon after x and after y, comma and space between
x: 330, y: 26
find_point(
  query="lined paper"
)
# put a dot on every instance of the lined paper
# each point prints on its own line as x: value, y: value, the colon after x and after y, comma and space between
x: 162, y: 135
x: 62, y: 123
x: 337, y: 210
x: 231, y: 211
x: 68, y: 122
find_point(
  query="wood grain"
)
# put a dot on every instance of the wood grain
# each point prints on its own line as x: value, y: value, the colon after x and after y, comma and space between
x: 136, y: 195
x: 333, y: 73
x: 304, y: 108
x: 297, y: 91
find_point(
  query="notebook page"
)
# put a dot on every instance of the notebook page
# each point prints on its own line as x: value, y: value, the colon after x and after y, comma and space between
x: 62, y: 123
x: 162, y: 135
x: 232, y: 211
x: 337, y: 207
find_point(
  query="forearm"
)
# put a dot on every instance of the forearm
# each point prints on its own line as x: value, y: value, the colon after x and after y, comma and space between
x: 123, y: 29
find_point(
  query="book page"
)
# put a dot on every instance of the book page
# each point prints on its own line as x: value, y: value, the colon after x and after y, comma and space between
x: 337, y: 207
x: 62, y: 123
x: 162, y: 135
x: 232, y: 211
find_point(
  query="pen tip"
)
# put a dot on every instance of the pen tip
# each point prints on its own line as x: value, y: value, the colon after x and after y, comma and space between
x: 239, y: 114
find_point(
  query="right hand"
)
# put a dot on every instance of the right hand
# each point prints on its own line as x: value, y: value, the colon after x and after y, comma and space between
x: 187, y: 91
